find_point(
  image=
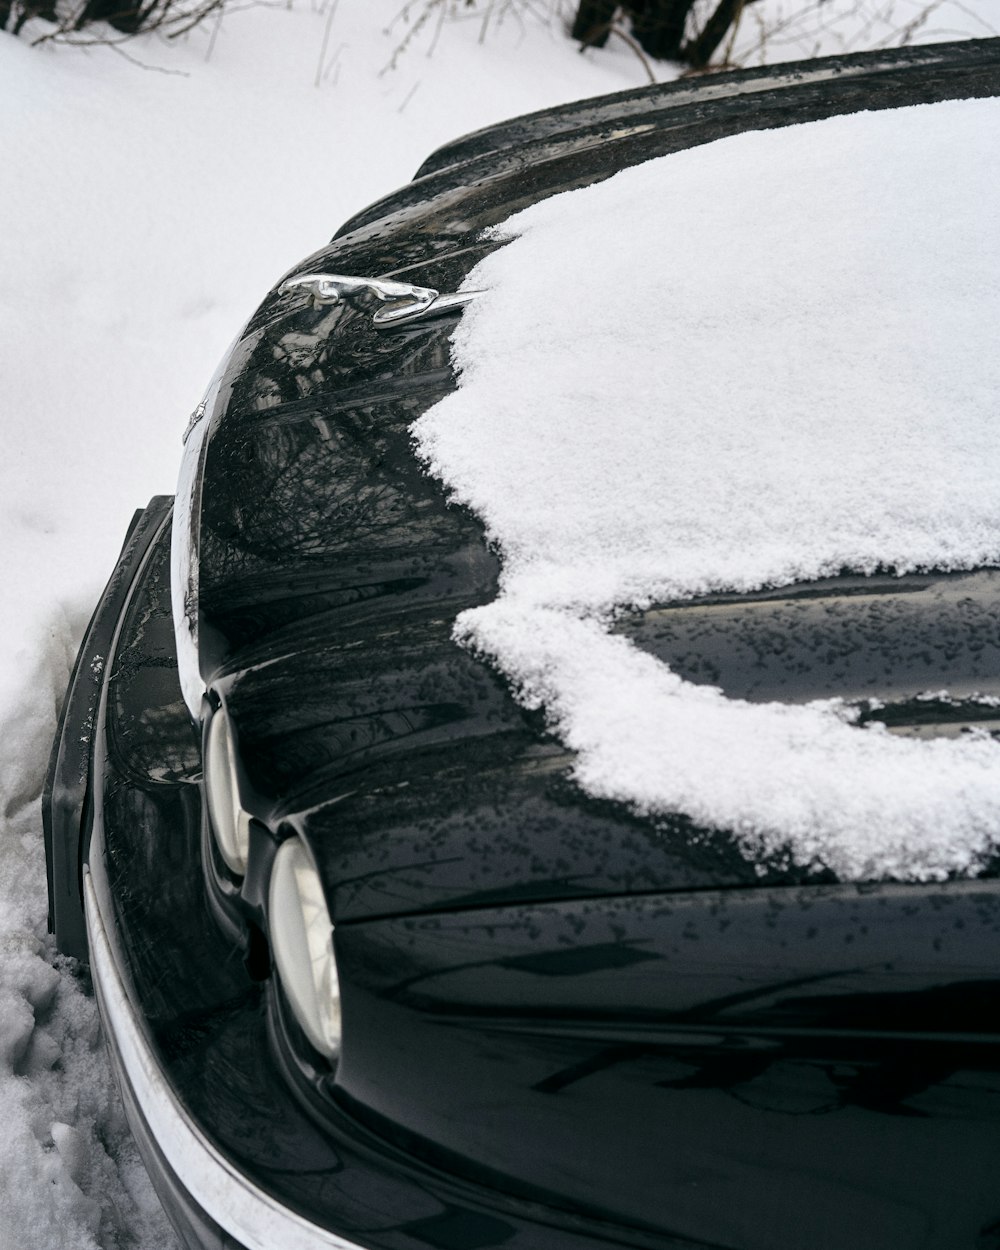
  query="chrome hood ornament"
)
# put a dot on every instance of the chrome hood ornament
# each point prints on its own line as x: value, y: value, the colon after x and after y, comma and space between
x: 405, y: 302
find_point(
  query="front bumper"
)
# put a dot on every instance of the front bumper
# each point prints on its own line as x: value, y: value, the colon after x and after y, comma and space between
x: 199, y: 1185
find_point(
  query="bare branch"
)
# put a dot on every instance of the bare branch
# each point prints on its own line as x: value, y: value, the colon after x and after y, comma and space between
x: 615, y: 29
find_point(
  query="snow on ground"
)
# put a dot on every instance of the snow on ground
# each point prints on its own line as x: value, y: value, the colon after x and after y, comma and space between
x: 823, y: 395
x: 144, y: 208
x: 70, y: 1175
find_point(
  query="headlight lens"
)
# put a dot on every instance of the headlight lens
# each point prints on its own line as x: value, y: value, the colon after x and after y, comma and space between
x: 302, y: 942
x: 230, y: 823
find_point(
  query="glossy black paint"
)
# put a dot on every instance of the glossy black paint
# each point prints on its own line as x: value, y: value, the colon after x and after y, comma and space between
x: 755, y: 1068
x: 565, y: 1027
x: 873, y: 74
x: 858, y: 638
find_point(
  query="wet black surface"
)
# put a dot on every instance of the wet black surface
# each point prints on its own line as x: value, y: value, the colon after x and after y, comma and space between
x: 860, y: 72
x: 754, y: 1069
x: 880, y: 639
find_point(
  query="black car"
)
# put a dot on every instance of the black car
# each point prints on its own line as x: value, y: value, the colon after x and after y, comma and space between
x: 373, y: 970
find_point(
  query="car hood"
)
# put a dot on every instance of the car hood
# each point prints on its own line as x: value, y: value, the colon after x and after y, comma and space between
x: 332, y: 568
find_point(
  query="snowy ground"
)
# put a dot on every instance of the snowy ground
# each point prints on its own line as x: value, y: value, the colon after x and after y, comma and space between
x: 144, y: 208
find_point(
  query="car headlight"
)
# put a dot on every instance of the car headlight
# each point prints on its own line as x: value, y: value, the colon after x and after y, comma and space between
x: 302, y: 943
x: 230, y: 822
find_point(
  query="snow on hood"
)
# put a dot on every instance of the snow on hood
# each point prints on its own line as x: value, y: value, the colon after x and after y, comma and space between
x: 762, y: 360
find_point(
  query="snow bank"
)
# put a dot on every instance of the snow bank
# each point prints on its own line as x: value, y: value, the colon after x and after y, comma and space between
x: 762, y: 360
x: 70, y: 1174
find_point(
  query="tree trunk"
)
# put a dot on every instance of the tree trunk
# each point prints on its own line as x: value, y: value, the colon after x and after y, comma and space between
x: 593, y: 22
x: 699, y: 51
x: 658, y: 26
x: 127, y: 16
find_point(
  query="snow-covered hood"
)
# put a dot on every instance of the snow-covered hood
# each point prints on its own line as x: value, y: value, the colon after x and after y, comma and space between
x: 334, y: 569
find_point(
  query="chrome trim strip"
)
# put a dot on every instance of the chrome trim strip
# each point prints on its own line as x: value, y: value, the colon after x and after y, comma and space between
x: 253, y: 1217
x: 184, y: 547
x: 185, y: 542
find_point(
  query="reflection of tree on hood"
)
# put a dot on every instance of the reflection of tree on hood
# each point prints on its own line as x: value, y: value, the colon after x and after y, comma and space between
x: 302, y: 353
x: 264, y: 393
